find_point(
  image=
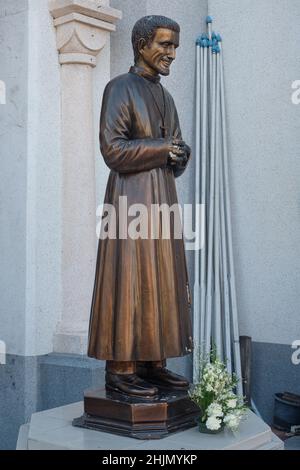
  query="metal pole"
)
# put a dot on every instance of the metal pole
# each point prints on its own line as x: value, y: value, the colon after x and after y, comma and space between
x: 224, y: 257
x: 216, y: 251
x: 203, y: 200
x: 197, y: 196
x: 211, y: 213
x: 232, y: 288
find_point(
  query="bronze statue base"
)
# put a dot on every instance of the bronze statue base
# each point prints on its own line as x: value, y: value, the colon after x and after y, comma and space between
x: 132, y: 417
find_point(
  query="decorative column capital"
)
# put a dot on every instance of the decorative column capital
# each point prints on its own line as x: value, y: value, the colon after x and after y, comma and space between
x: 82, y: 28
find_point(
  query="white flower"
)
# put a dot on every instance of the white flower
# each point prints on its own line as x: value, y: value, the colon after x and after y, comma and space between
x: 213, y: 423
x: 232, y: 420
x: 232, y: 403
x: 215, y: 409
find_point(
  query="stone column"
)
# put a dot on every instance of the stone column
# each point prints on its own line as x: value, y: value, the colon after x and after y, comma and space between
x: 82, y: 27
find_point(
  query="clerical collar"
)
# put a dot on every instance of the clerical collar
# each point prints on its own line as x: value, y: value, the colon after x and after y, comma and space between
x: 142, y: 73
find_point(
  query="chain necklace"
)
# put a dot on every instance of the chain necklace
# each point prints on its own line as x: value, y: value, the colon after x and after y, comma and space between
x: 164, y: 129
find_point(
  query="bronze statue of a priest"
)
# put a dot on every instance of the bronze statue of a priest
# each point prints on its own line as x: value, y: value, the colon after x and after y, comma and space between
x: 140, y: 312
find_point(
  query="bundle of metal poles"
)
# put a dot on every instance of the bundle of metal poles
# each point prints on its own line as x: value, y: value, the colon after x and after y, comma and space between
x: 215, y: 306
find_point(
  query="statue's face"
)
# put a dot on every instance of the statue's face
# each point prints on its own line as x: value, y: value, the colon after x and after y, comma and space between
x: 158, y: 56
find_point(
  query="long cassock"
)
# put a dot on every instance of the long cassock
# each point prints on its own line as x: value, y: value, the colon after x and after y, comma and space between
x: 141, y: 302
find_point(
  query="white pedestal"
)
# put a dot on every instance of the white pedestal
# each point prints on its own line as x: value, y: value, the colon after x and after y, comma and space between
x: 53, y: 430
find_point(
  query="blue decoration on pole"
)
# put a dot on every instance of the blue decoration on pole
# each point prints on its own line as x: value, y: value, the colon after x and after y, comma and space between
x: 205, y: 41
x: 216, y: 49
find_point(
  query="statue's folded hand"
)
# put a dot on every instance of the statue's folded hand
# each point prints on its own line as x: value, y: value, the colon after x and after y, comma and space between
x: 179, y: 153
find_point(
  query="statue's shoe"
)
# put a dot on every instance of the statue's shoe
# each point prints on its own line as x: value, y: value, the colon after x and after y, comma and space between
x: 130, y: 384
x: 163, y: 377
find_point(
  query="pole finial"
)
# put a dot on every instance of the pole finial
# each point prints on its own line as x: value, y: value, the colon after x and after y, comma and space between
x: 209, y: 19
x: 216, y: 49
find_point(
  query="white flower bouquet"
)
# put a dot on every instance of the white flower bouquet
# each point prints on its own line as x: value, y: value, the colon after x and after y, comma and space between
x: 215, y: 396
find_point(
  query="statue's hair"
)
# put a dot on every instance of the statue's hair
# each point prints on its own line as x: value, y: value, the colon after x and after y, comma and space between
x: 145, y: 28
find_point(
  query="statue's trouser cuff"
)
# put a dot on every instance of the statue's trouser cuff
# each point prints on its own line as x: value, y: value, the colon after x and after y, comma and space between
x: 129, y: 367
x: 121, y: 367
x: 152, y: 364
